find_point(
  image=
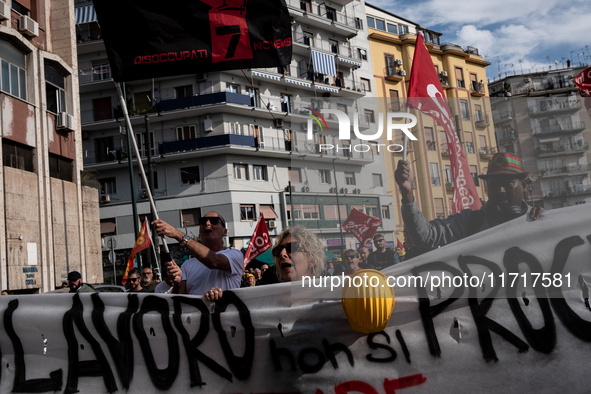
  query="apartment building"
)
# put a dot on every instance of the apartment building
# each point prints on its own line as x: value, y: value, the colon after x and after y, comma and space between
x: 236, y: 141
x: 541, y: 117
x: 49, y: 223
x: 461, y: 72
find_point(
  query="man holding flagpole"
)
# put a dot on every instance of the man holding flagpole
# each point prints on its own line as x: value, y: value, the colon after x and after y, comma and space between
x: 213, y: 269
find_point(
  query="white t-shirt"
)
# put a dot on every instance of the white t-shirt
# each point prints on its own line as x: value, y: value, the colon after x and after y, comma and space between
x: 200, y: 278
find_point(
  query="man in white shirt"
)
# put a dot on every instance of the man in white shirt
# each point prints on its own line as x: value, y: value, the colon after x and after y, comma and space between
x: 213, y: 266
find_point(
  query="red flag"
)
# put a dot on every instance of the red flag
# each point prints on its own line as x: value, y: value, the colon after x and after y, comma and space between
x: 142, y: 242
x: 425, y: 94
x: 583, y: 82
x: 259, y: 242
x: 362, y: 226
x: 399, y: 244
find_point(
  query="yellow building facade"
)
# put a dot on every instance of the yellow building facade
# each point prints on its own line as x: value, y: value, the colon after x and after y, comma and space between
x: 462, y: 75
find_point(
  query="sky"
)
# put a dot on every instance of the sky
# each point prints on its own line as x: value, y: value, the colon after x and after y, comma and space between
x: 514, y: 35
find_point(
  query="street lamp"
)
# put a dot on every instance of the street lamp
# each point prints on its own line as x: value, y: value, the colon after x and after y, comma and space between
x: 530, y: 188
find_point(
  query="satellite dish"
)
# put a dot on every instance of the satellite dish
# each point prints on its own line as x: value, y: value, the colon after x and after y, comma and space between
x: 557, y: 62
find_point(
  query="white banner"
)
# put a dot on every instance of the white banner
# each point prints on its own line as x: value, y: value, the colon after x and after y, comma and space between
x: 262, y: 340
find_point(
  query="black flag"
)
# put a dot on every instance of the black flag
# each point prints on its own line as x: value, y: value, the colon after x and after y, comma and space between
x: 148, y: 38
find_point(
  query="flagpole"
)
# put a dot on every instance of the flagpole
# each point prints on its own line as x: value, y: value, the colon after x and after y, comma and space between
x: 139, y: 158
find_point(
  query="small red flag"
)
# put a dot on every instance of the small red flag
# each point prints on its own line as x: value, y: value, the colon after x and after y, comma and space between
x: 399, y: 244
x: 426, y: 94
x: 583, y: 82
x: 259, y: 242
x: 362, y: 226
x: 142, y: 242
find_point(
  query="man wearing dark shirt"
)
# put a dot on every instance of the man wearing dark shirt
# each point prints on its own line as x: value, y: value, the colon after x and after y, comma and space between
x: 135, y: 284
x: 382, y: 257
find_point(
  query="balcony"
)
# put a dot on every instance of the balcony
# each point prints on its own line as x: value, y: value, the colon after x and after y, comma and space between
x: 487, y: 153
x: 554, y: 109
x: 506, y: 138
x: 558, y: 128
x: 503, y: 117
x: 576, y: 190
x: 581, y: 169
x: 562, y: 150
x: 205, y: 142
x: 553, y: 87
x: 392, y: 74
x: 480, y: 119
x: 477, y: 89
x: 323, y: 17
x: 449, y: 186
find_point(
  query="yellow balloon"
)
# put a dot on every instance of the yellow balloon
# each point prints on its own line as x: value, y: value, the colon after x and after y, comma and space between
x: 368, y: 307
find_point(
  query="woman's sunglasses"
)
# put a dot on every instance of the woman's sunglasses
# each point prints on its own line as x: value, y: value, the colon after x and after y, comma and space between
x: 290, y: 247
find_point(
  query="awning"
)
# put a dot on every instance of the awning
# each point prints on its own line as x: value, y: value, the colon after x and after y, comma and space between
x: 268, y: 212
x: 543, y: 141
x: 326, y: 88
x: 108, y: 227
x: 85, y: 15
x: 324, y: 63
x: 264, y: 75
x: 298, y: 82
x: 329, y: 255
x: 345, y: 60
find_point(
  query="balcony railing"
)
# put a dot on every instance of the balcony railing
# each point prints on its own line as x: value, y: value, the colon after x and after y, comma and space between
x: 556, y: 107
x: 566, y: 192
x: 503, y: 116
x: 94, y: 75
x: 477, y: 87
x: 168, y: 147
x: 506, y: 138
x: 565, y: 149
x: 480, y: 118
x: 566, y: 170
x: 570, y: 127
x: 486, y: 152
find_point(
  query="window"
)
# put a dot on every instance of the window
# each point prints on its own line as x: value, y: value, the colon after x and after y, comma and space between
x: 439, y: 210
x: 402, y: 29
x: 430, y: 139
x: 102, y: 109
x: 286, y: 103
x: 295, y: 175
x: 374, y: 148
x: 334, y: 46
x: 186, y: 132
x: 349, y: 178
x: 247, y: 212
x: 464, y: 109
x: 103, y: 148
x: 358, y: 23
x: 371, y: 210
x: 55, y: 93
x: 60, y: 168
x: 330, y: 211
x: 142, y: 101
x: 17, y: 155
x: 369, y: 116
x: 140, y: 139
x: 385, y: 212
x: 394, y: 101
x: 190, y: 175
x: 366, y: 84
x: 324, y: 176
x: 232, y: 88
x: 482, y: 142
x: 478, y: 113
x: 141, y: 184
x: 254, y: 96
x: 183, y: 91
x: 469, y: 142
x: 108, y: 227
x: 392, y: 28
x: 21, y: 9
x: 362, y: 53
x: 306, y: 5
x: 371, y: 22
x: 190, y: 217
x: 434, y: 169
x: 308, y: 39
x: 376, y: 180
x: 241, y: 172
x: 380, y: 25
x: 297, y: 211
x: 460, y: 77
x: 101, y: 70
x: 449, y: 181
x: 259, y: 173
x: 390, y: 65
x: 310, y: 211
x: 108, y: 186
x: 474, y: 173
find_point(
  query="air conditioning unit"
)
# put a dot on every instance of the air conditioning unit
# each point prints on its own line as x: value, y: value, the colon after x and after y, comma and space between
x: 344, y: 190
x: 278, y: 123
x: 105, y: 199
x: 444, y: 74
x: 332, y: 190
x: 207, y: 125
x: 28, y: 26
x: 402, y: 73
x: 4, y: 11
x: 306, y: 189
x: 399, y: 62
x: 272, y: 224
x: 144, y: 193
x: 357, y: 191
x: 65, y: 121
x: 290, y: 188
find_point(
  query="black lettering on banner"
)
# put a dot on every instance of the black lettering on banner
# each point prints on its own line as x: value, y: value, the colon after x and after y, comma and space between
x: 122, y: 349
x: 240, y: 366
x: 330, y: 351
x: 580, y: 328
x: 403, y: 346
x: 192, y: 344
x: 544, y: 339
x: 427, y: 311
x: 21, y: 384
x: 311, y: 368
x: 162, y: 379
x: 373, y: 345
x: 76, y: 368
x: 479, y: 311
x: 277, y: 352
